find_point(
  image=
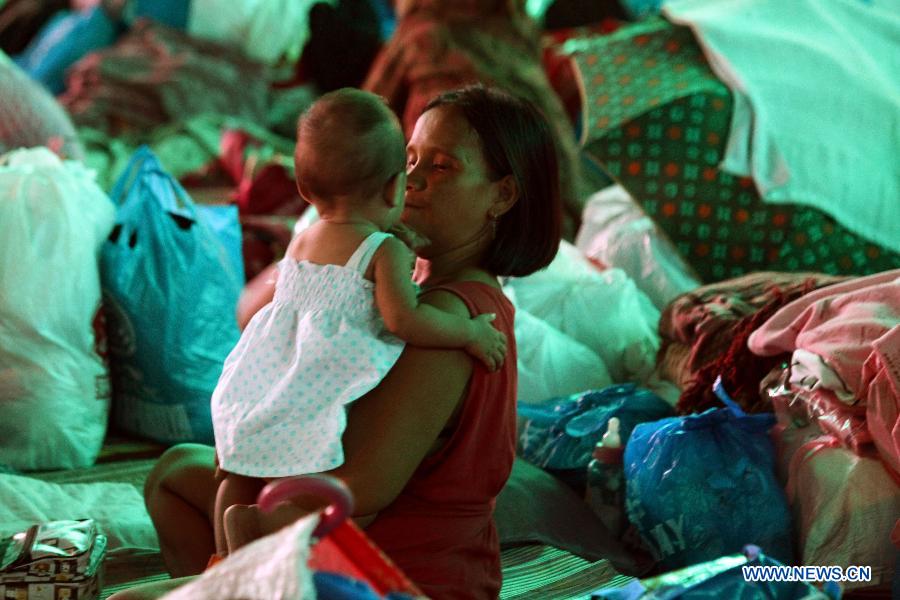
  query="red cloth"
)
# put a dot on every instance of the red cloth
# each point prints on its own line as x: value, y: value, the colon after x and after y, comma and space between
x: 440, y: 530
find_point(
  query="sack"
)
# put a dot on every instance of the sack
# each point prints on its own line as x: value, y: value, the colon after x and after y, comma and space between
x: 603, y: 310
x: 171, y: 290
x: 266, y: 31
x: 59, y: 559
x: 562, y: 434
x: 844, y: 502
x: 615, y: 231
x: 702, y: 486
x: 552, y: 364
x: 54, y: 386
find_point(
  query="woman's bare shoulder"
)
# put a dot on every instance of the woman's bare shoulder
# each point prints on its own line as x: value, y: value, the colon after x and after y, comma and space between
x: 445, y: 300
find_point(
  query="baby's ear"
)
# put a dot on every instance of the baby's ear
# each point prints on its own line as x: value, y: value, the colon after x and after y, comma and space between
x: 303, y: 190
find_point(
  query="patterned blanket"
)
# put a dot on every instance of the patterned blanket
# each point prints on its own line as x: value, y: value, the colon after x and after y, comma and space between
x: 656, y: 119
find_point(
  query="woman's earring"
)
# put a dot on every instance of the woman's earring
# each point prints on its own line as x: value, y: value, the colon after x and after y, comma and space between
x: 493, y: 219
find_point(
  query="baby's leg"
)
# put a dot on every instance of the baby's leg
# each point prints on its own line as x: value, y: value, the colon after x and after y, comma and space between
x: 234, y: 489
x: 244, y: 524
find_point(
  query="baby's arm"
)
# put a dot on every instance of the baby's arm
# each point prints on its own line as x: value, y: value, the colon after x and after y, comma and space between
x: 422, y: 324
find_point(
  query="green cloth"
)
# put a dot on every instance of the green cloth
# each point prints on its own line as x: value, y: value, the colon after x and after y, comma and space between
x: 182, y: 148
x: 657, y: 120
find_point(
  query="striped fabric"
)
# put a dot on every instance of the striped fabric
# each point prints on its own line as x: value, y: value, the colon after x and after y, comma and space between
x: 544, y: 572
x: 532, y: 571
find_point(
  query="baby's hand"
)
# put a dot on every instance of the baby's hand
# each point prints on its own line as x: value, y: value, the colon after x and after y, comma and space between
x: 489, y: 345
x: 408, y: 236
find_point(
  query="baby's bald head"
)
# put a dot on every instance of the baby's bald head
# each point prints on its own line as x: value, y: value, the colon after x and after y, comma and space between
x: 349, y: 143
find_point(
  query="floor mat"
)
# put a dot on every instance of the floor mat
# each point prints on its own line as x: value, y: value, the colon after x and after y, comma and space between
x: 551, y: 574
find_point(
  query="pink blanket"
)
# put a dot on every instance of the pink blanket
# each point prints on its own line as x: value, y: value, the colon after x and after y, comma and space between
x: 854, y: 327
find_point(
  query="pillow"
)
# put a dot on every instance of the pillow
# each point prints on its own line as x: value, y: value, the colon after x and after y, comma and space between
x: 535, y: 507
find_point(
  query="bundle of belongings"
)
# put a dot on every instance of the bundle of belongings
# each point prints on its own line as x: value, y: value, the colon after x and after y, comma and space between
x: 55, y: 560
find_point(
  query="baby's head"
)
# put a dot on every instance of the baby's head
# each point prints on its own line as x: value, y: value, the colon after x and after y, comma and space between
x: 350, y: 149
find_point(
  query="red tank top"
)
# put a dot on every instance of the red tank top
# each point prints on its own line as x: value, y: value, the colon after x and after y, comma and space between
x: 440, y: 529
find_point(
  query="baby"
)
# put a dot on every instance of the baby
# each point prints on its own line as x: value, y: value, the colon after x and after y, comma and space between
x: 344, y: 304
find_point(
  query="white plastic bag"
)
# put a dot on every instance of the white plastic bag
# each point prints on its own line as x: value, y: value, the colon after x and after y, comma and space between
x: 271, y: 567
x: 615, y: 231
x: 266, y: 30
x: 603, y: 310
x: 552, y: 364
x: 54, y: 387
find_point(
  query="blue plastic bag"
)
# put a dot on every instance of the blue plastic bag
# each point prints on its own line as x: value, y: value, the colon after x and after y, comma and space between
x: 562, y: 433
x: 703, y: 486
x: 719, y: 578
x: 170, y: 293
x: 63, y: 41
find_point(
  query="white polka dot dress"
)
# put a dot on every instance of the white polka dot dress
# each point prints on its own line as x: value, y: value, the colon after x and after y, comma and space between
x: 279, y: 406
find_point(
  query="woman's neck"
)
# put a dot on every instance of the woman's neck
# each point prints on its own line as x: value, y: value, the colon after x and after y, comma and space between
x: 457, y: 264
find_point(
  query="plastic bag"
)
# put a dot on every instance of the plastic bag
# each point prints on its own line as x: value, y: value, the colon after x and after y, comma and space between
x: 615, y: 231
x: 171, y: 291
x: 844, y: 501
x: 30, y: 116
x: 54, y: 386
x: 63, y: 41
x: 820, y: 406
x: 844, y: 505
x: 562, y: 434
x: 552, y: 364
x: 266, y: 30
x: 702, y: 486
x: 719, y: 578
x: 603, y: 310
x: 324, y: 555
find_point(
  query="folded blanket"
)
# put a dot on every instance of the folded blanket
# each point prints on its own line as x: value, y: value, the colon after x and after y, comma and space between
x: 715, y: 321
x: 118, y: 508
x: 838, y: 323
x: 821, y: 129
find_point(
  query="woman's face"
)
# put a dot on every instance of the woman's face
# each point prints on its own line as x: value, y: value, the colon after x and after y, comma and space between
x: 448, y: 189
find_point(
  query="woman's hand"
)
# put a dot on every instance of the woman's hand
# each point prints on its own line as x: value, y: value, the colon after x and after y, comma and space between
x: 489, y: 344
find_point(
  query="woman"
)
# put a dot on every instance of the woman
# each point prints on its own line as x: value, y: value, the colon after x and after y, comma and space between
x: 429, y: 449
x: 440, y: 45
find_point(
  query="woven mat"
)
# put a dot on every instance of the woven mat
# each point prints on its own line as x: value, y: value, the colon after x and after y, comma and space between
x: 532, y: 571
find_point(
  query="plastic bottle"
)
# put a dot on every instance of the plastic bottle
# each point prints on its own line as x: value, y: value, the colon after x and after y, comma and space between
x: 606, y: 481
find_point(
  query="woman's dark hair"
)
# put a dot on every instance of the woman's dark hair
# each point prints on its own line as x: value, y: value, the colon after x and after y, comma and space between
x: 516, y: 140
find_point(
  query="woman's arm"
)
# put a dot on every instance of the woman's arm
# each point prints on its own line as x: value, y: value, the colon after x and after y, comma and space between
x: 394, y: 427
x: 421, y: 324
